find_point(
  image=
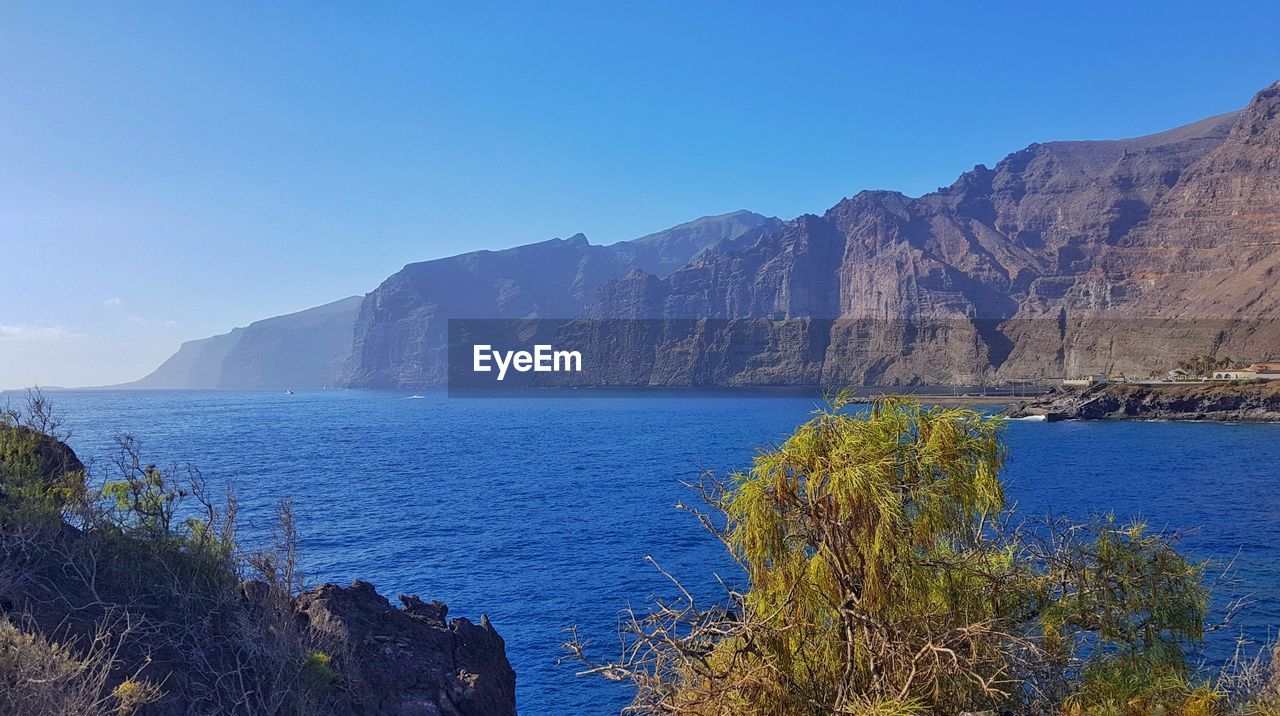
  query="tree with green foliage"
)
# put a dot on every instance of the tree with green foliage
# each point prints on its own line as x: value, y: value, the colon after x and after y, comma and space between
x: 1204, y: 365
x: 886, y: 575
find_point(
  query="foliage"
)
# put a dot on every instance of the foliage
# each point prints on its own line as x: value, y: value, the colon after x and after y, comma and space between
x: 317, y: 669
x: 858, y: 535
x: 43, y: 678
x: 38, y: 481
x: 1204, y: 365
x: 209, y: 623
x: 886, y: 576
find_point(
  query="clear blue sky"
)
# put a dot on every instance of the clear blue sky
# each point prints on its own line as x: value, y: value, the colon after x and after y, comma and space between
x: 171, y: 170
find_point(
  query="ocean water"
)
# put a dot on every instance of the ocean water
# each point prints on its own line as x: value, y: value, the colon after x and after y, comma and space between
x: 540, y: 512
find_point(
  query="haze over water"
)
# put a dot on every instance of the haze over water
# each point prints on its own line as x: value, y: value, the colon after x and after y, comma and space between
x: 539, y: 512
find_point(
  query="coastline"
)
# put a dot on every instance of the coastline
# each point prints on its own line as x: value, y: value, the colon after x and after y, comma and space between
x: 1224, y: 402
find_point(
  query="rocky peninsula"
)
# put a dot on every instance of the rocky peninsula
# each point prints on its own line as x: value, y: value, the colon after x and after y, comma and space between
x: 1233, y: 402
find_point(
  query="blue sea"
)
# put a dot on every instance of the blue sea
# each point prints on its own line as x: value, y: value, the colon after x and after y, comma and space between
x: 540, y: 512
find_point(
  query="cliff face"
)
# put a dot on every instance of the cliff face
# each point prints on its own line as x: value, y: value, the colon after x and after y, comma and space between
x: 305, y: 349
x: 197, y: 364
x: 1065, y: 257
x: 1211, y: 247
x: 401, y: 332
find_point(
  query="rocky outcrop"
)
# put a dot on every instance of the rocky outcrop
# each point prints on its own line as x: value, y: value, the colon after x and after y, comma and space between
x: 411, y: 661
x: 23, y: 449
x: 215, y: 644
x: 1254, y: 402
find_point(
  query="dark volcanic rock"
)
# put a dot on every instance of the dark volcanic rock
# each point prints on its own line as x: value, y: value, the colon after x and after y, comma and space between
x: 52, y: 458
x: 1255, y: 402
x: 413, y: 663
x: 389, y: 661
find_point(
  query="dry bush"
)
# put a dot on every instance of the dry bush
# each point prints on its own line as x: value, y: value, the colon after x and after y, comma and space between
x: 43, y: 678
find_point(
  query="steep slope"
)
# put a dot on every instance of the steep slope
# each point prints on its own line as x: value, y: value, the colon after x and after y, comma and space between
x: 1197, y: 276
x: 1065, y: 257
x: 1211, y: 247
x: 401, y: 331
x: 304, y: 349
x: 197, y: 364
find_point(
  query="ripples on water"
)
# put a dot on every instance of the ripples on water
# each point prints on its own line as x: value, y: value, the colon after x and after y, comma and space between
x: 539, y: 512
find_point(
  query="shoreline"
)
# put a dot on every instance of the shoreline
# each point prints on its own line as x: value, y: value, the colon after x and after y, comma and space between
x: 1236, y: 402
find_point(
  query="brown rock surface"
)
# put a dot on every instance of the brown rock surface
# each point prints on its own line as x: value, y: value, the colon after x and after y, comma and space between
x: 401, y: 331
x: 1255, y: 402
x: 1066, y: 258
x: 412, y: 661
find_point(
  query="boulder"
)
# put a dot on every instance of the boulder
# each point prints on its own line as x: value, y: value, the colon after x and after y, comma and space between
x: 411, y: 661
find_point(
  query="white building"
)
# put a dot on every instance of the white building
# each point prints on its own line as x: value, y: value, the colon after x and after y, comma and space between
x: 1234, y: 374
x: 1085, y: 380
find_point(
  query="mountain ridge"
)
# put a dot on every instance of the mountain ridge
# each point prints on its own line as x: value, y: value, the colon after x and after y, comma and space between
x: 1018, y: 271
x: 401, y: 331
x: 313, y: 347
x: 1065, y: 257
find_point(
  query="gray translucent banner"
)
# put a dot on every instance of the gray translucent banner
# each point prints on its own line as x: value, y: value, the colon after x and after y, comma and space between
x: 1012, y: 356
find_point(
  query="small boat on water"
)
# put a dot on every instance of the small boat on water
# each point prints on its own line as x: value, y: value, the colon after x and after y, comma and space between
x: 288, y: 391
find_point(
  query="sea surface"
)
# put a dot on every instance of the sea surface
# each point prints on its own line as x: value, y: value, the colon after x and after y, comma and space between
x: 540, y: 512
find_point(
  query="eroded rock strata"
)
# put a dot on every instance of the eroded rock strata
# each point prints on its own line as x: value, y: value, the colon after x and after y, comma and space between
x: 1065, y: 258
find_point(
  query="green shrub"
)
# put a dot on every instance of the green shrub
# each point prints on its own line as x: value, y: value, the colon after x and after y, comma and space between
x: 38, y: 481
x: 886, y: 575
x: 317, y: 670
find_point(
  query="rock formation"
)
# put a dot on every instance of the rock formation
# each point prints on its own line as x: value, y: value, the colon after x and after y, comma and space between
x: 1065, y: 258
x: 402, y: 330
x: 411, y: 661
x: 211, y: 639
x: 1257, y: 402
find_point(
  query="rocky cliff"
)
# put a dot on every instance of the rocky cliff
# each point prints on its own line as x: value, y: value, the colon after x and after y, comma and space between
x: 412, y: 660
x: 1064, y: 258
x: 305, y: 349
x: 401, y: 330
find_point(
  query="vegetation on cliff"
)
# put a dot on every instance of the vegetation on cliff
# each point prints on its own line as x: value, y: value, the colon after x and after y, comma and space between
x: 126, y: 591
x: 887, y: 575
